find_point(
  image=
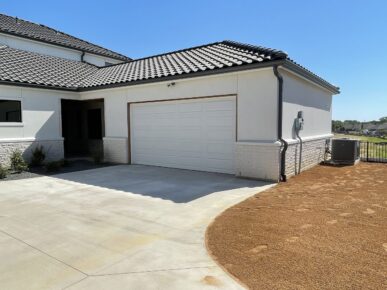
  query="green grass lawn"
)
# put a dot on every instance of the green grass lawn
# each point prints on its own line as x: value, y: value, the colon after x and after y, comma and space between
x: 362, y: 138
x: 374, y: 151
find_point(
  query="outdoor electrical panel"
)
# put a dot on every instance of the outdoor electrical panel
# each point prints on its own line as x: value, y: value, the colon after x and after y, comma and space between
x: 299, y: 121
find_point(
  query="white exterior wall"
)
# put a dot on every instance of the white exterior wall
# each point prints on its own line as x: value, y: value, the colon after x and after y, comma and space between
x: 256, y: 92
x: 99, y: 60
x: 316, y: 104
x: 41, y: 121
x: 257, y: 148
x: 53, y: 50
x: 314, y: 101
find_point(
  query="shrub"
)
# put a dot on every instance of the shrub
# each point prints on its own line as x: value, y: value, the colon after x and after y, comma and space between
x: 3, y: 172
x: 53, y: 166
x: 17, y: 162
x: 38, y: 156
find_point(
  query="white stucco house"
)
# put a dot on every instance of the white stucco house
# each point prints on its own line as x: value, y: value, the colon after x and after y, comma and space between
x: 222, y: 107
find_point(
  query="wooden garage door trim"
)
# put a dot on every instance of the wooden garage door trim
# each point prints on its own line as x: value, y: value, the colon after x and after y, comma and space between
x: 183, y: 99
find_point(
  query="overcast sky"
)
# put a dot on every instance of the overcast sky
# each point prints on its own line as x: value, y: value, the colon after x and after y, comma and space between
x: 344, y: 41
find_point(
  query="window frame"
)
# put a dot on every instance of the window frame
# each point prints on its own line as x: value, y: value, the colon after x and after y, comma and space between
x: 13, y: 124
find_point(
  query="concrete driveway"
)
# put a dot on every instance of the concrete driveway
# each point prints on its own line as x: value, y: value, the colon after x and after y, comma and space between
x: 119, y: 227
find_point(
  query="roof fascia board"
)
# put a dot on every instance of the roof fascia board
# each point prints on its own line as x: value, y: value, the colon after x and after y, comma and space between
x: 306, y: 75
x: 60, y: 45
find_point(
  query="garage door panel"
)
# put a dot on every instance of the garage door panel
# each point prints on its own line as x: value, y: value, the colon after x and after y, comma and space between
x: 171, y: 161
x: 188, y: 145
x: 216, y: 105
x: 187, y: 134
x: 149, y: 146
x: 220, y: 119
x: 156, y: 160
x: 190, y: 119
x: 190, y: 107
x: 162, y: 108
x: 217, y: 133
x: 140, y: 129
x: 164, y: 121
x: 217, y: 155
x: 219, y: 165
x: 225, y: 149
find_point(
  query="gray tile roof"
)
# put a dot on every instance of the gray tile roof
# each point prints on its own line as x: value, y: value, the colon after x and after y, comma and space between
x: 38, y: 32
x: 26, y: 67
x: 20, y: 66
x: 210, y: 57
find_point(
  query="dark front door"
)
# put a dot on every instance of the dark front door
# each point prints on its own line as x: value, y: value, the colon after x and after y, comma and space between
x: 73, y: 128
x: 82, y: 127
x: 94, y: 123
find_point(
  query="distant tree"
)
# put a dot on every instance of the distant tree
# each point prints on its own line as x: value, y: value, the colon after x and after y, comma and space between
x: 337, y: 126
x: 383, y: 119
x: 352, y: 122
x: 352, y: 125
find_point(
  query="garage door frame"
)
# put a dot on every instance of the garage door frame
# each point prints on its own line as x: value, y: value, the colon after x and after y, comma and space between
x: 180, y: 99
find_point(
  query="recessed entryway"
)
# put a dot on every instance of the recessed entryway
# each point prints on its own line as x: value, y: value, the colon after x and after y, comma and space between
x: 83, y: 127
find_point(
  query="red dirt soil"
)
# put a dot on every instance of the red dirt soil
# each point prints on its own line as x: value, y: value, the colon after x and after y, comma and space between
x: 324, y: 229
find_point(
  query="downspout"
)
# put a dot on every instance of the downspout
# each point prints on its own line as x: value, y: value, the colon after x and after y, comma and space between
x: 83, y: 56
x: 300, y: 157
x: 284, y: 144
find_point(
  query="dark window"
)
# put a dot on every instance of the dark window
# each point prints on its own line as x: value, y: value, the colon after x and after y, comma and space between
x: 10, y: 111
x: 108, y: 63
x: 94, y: 124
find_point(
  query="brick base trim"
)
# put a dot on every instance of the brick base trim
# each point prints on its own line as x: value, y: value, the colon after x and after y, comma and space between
x: 313, y: 152
x: 258, y: 161
x: 52, y: 148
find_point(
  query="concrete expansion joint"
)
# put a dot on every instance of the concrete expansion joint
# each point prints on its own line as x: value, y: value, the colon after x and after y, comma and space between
x: 106, y: 274
x: 75, y: 283
x: 50, y: 256
x: 136, y: 272
x: 89, y: 238
x: 44, y: 253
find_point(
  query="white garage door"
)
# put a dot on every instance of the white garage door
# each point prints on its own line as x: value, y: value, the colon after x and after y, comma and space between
x: 197, y: 134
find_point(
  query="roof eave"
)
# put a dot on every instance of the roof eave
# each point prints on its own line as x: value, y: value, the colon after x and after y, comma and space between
x: 281, y: 62
x: 123, y: 58
x: 38, y: 86
x: 310, y: 76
